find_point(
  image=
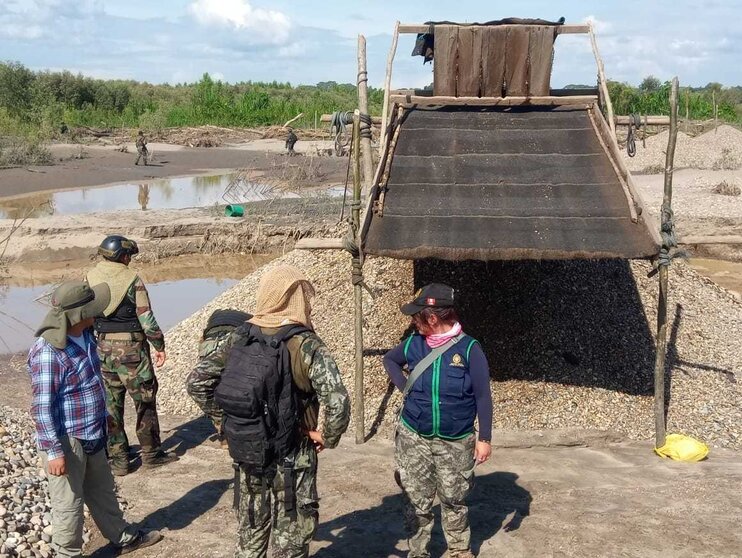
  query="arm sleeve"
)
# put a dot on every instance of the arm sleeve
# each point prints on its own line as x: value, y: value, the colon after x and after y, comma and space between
x: 479, y: 371
x: 328, y: 384
x: 394, y: 362
x: 146, y: 316
x: 46, y: 374
x: 203, y: 379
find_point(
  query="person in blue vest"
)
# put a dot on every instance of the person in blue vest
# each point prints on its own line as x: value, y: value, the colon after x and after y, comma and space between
x: 436, y: 444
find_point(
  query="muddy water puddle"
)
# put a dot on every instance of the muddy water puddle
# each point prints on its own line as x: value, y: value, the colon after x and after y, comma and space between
x: 166, y: 193
x: 724, y: 273
x: 177, y: 288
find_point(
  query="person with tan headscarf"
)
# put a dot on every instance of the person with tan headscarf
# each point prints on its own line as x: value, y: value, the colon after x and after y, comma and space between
x: 283, y: 305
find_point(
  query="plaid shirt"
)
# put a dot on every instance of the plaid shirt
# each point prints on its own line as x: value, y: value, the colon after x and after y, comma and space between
x: 68, y: 394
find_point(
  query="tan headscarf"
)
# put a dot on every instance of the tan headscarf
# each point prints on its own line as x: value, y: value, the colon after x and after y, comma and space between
x: 284, y: 297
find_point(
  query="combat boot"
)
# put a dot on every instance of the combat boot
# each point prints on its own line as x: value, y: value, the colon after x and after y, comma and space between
x: 157, y: 459
x: 142, y: 540
x: 119, y: 467
x: 459, y: 554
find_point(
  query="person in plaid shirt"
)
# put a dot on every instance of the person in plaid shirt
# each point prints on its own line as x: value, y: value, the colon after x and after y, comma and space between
x: 69, y: 411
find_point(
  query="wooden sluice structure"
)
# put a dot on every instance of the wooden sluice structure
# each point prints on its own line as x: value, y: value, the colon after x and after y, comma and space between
x: 494, y: 164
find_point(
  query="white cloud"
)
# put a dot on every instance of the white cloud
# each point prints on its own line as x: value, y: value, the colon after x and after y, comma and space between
x: 599, y: 25
x: 261, y: 26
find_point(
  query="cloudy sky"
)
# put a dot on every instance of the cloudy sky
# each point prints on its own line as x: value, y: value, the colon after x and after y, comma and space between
x: 307, y: 41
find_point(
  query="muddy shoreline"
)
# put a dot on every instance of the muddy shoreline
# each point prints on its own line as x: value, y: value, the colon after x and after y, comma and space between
x: 107, y: 165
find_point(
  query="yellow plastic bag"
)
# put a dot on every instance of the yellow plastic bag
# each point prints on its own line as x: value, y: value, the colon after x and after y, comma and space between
x: 683, y: 448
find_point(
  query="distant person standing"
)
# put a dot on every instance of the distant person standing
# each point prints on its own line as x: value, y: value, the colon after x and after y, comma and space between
x: 142, y: 148
x: 125, y: 332
x: 69, y: 411
x: 437, y: 447
x: 291, y: 140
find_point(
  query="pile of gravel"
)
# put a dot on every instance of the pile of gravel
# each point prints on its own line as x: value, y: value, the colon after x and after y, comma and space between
x: 570, y: 344
x: 25, y: 514
x: 719, y: 149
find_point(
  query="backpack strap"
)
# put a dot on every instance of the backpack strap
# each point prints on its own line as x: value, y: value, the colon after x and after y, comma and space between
x: 425, y: 363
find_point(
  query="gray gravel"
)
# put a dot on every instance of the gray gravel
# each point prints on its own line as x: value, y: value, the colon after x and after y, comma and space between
x: 25, y: 515
x: 719, y: 149
x: 570, y: 344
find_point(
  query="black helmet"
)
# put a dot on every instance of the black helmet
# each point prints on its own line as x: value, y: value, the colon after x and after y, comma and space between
x: 115, y: 247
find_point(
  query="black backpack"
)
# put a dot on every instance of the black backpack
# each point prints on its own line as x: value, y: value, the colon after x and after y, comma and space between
x: 259, y: 399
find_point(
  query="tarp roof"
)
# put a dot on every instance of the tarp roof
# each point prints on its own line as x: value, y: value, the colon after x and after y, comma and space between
x: 503, y: 183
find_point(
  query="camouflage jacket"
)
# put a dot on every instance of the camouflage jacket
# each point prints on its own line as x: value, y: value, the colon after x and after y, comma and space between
x: 138, y: 293
x: 141, y: 142
x: 312, y: 366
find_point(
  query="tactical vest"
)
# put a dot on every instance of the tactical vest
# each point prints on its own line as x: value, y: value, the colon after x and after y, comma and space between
x: 441, y: 403
x: 121, y: 314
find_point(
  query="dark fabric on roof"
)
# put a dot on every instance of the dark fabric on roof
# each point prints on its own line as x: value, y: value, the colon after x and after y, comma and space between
x: 503, y: 184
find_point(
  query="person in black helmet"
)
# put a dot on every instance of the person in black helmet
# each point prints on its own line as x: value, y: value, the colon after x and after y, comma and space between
x: 125, y: 332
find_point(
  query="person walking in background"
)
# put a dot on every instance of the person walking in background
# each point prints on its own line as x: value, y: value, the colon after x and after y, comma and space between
x: 69, y: 412
x: 125, y: 332
x: 436, y: 446
x: 142, y: 151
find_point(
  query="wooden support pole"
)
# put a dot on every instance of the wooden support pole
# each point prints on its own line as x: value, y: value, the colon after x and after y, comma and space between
x: 320, y: 244
x: 667, y: 228
x: 419, y: 100
x: 602, y: 83
x: 358, y: 404
x: 716, y: 112
x: 388, y: 86
x: 368, y: 159
x: 647, y: 120
x: 324, y: 118
x: 687, y: 109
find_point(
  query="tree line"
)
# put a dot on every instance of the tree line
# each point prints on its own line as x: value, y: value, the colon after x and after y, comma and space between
x: 39, y: 104
x: 43, y: 102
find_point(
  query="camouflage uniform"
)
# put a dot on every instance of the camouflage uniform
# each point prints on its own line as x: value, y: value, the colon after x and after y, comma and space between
x: 430, y: 466
x: 127, y: 367
x: 199, y: 381
x: 142, y: 149
x: 314, y: 370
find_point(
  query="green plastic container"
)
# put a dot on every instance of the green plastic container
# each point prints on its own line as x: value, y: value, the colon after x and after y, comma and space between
x: 234, y: 211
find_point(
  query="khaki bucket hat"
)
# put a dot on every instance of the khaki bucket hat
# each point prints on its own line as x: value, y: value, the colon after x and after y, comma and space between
x: 72, y: 302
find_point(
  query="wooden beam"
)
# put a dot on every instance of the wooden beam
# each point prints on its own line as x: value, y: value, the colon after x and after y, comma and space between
x: 664, y: 265
x: 412, y: 28
x: 492, y: 101
x: 388, y: 86
x: 726, y: 239
x: 649, y: 120
x: 320, y: 244
x: 376, y: 120
x: 602, y: 83
x: 368, y: 165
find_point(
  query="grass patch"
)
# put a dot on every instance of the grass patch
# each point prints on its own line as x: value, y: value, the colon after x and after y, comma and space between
x: 22, y: 152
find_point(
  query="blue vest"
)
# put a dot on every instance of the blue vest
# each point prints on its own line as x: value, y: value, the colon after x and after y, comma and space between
x: 441, y: 403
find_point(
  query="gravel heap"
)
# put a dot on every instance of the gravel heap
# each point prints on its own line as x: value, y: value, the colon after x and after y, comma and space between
x: 25, y: 514
x: 719, y: 149
x: 570, y: 344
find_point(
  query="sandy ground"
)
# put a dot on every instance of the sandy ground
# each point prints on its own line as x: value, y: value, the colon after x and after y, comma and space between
x: 107, y: 165
x: 555, y: 494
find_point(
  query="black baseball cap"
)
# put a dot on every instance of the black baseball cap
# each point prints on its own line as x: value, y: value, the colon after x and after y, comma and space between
x: 434, y: 295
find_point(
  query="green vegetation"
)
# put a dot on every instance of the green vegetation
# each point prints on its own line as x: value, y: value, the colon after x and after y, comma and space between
x: 653, y: 97
x: 37, y: 104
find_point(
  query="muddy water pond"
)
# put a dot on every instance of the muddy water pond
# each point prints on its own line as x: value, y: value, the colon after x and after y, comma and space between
x: 177, y: 288
x: 166, y: 193
x: 724, y: 273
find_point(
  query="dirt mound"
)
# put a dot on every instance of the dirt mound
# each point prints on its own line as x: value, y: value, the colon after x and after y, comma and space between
x: 570, y: 344
x: 719, y: 149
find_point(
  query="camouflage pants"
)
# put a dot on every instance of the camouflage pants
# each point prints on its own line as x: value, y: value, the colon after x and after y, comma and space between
x: 263, y: 515
x: 434, y: 466
x: 142, y: 152
x: 127, y: 367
